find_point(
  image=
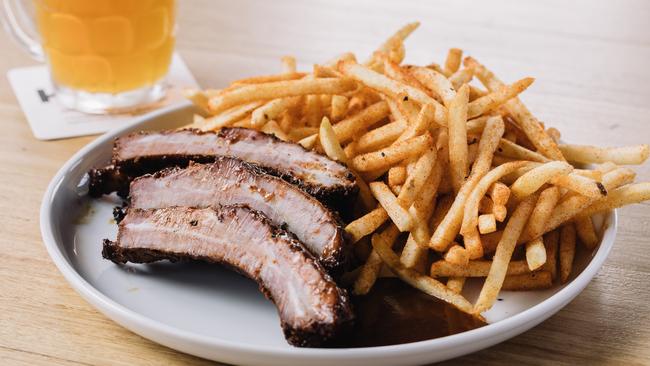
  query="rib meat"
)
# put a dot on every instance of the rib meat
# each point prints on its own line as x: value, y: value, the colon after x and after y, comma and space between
x: 230, y: 181
x: 312, y: 308
x: 147, y: 152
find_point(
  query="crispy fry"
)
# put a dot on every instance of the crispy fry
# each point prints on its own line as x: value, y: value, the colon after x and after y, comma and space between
x: 627, y: 155
x: 400, y: 216
x: 417, y: 178
x: 586, y: 231
x: 503, y: 254
x: 512, y: 150
x: 370, y: 270
x: 288, y: 64
x: 381, y: 136
x: 437, y: 82
x: 503, y: 94
x: 424, y: 283
x: 268, y: 79
x: 228, y: 117
x: 487, y: 223
x: 551, y: 242
x: 581, y: 184
x: 546, y: 202
x: 478, y: 268
x: 528, y: 123
x: 367, y: 224
x: 456, y: 254
x: 461, y: 77
x: 391, y: 87
x: 456, y: 284
x: 487, y: 206
x: 499, y: 193
x: 397, y: 38
x: 199, y: 99
x: 470, y: 217
x: 393, y: 154
x: 452, y: 62
x: 567, y: 251
x: 349, y: 127
x: 457, y: 123
x: 535, y: 253
x: 526, y: 282
x: 448, y: 228
x: 272, y: 127
x: 397, y: 175
x: 472, y: 242
x: 339, y: 107
x: 269, y: 111
x: 537, y: 177
x: 619, y: 197
x: 278, y: 89
x: 421, y: 124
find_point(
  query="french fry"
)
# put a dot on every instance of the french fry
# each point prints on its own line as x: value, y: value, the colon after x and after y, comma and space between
x: 472, y: 242
x: 546, y: 202
x: 551, y: 242
x: 554, y: 133
x: 498, y: 97
x: 398, y: 214
x: 456, y: 284
x: 470, y: 217
x: 586, y: 231
x: 418, y: 177
x: 461, y: 77
x: 581, y: 184
x: 567, y: 251
x: 381, y: 136
x: 288, y: 64
x: 278, y: 89
x: 627, y: 155
x: 421, y: 124
x: 312, y: 112
x: 619, y: 197
x: 457, y: 123
x: 339, y: 107
x: 453, y: 60
x: 503, y: 254
x: 487, y: 223
x: 366, y: 224
x: 478, y: 268
x: 309, y: 142
x: 424, y: 283
x: 490, y: 241
x: 537, y: 177
x: 573, y: 204
x: 394, y: 71
x: 269, y: 111
x: 268, y: 79
x: 244, y: 122
x: 397, y: 175
x: 487, y: 206
x: 396, y: 39
x: 370, y: 269
x: 228, y: 117
x: 347, y: 128
x: 199, y: 99
x: 476, y: 125
x: 499, y: 193
x: 391, y: 87
x: 456, y: 254
x: 528, y: 123
x: 437, y: 82
x: 298, y: 133
x: 526, y: 282
x: 535, y: 253
x: 389, y: 156
x: 273, y: 128
x: 449, y: 226
x: 512, y: 150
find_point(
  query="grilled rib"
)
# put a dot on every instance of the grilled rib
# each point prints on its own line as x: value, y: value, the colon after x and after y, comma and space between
x: 147, y: 152
x: 312, y: 308
x: 230, y: 181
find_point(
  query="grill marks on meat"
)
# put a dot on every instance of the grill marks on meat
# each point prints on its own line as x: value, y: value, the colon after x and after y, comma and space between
x: 230, y: 181
x: 147, y: 152
x: 312, y: 308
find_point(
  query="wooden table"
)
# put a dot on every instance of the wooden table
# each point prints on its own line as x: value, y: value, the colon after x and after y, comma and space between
x: 591, y: 61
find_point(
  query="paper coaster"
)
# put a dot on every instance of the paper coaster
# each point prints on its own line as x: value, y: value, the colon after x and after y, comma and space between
x: 49, y: 120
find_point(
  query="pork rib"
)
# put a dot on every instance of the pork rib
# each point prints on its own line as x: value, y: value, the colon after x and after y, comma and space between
x: 230, y: 181
x: 312, y: 308
x: 147, y: 152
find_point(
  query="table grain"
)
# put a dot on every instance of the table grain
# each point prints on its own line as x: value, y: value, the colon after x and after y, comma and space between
x: 592, y: 64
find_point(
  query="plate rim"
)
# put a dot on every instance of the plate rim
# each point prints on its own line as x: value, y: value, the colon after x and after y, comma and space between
x: 165, y: 334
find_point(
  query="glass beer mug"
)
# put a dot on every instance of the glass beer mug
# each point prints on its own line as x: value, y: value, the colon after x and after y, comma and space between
x: 103, y: 55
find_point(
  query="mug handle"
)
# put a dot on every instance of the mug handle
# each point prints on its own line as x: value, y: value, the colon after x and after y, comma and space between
x: 12, y: 14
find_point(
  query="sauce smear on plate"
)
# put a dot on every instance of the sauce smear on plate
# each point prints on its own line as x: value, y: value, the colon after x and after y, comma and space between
x: 395, y: 313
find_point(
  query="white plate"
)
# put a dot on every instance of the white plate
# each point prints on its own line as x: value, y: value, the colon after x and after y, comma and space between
x: 210, y: 312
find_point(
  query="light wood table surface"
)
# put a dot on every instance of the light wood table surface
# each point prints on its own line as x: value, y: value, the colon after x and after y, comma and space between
x: 592, y: 64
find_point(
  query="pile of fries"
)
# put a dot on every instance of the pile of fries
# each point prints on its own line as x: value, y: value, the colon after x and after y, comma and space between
x: 457, y: 178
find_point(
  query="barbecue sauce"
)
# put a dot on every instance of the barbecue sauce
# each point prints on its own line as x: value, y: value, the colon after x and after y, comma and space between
x: 395, y: 313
